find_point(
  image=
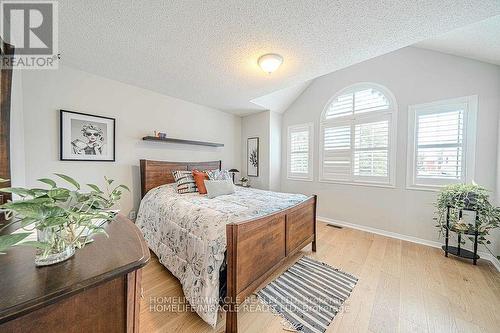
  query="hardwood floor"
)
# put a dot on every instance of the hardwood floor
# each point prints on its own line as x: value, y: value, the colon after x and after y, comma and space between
x: 403, y: 287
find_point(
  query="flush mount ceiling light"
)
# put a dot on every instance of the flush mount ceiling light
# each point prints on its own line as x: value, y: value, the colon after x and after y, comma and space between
x: 270, y: 62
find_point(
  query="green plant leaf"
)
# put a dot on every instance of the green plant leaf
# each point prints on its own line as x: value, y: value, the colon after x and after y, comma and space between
x: 55, y: 221
x: 98, y: 230
x: 7, y: 241
x: 22, y: 192
x: 61, y: 194
x: 82, y: 197
x: 25, y: 209
x: 39, y: 200
x: 69, y: 180
x: 48, y: 181
x: 109, y: 181
x: 123, y: 186
x: 27, y: 221
x: 39, y: 192
x: 53, y: 211
x: 95, y: 188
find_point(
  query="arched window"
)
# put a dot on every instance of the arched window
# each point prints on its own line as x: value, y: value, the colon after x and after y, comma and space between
x: 358, y: 136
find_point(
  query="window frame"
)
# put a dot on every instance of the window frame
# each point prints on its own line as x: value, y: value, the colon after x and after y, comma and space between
x: 310, y: 165
x: 470, y: 104
x: 353, y: 120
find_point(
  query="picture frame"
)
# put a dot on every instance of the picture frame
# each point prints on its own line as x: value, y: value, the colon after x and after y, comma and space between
x: 86, y: 137
x: 253, y: 157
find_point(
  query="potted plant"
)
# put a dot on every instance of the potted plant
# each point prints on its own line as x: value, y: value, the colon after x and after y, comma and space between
x: 244, y: 181
x: 64, y: 219
x: 471, y: 197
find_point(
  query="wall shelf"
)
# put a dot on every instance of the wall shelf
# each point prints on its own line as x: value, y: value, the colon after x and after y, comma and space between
x: 181, y: 141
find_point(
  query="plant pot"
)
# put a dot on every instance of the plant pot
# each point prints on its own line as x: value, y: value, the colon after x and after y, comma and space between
x: 58, y: 248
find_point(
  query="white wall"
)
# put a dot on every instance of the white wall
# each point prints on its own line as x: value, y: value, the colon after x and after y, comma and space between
x: 17, y: 152
x: 137, y: 111
x: 275, y: 122
x: 256, y: 125
x: 266, y: 126
x: 414, y: 76
x: 497, y: 233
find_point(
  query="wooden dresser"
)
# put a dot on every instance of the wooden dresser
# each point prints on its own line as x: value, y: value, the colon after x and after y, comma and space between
x: 97, y: 290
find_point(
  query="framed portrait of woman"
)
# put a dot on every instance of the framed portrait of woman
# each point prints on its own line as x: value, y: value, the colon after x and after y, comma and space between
x: 86, y: 137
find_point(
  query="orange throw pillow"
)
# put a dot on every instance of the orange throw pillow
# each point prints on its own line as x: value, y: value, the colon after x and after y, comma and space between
x: 199, y: 179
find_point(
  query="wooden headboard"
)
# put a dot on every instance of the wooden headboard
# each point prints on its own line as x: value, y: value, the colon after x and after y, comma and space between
x: 156, y: 173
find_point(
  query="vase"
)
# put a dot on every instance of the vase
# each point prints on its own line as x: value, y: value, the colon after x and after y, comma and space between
x: 57, y: 249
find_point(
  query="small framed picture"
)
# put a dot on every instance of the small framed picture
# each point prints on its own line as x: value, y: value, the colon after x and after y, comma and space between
x: 86, y: 137
x: 253, y: 157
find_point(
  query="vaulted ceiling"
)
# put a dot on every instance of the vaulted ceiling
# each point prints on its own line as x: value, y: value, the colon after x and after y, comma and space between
x: 206, y: 51
x: 480, y: 41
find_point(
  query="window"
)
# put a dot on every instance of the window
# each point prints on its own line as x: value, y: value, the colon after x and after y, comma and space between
x: 300, y: 138
x: 441, y: 142
x: 358, y: 136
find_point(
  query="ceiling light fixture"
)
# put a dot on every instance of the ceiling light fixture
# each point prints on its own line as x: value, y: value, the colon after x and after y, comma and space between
x: 270, y: 62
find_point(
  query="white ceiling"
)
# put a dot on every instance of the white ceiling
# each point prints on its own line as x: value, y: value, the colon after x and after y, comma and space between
x: 279, y: 101
x: 480, y: 41
x: 206, y: 51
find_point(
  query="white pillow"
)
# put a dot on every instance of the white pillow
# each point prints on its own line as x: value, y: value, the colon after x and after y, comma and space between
x: 218, y: 187
x: 218, y: 174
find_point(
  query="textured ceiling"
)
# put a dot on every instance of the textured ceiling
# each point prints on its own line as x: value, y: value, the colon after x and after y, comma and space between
x: 280, y: 100
x: 206, y: 51
x: 480, y: 41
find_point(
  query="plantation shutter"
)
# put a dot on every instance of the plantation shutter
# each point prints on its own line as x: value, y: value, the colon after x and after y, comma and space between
x: 369, y: 100
x: 299, y: 151
x: 337, y: 152
x: 341, y: 106
x: 371, y: 149
x: 362, y: 101
x: 440, y: 145
x: 356, y: 137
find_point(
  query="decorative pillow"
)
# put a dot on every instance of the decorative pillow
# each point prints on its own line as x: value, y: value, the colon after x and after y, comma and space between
x: 218, y: 175
x: 199, y: 178
x: 218, y: 187
x: 185, y: 181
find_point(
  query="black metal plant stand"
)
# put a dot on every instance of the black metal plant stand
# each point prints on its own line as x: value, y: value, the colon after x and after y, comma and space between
x: 458, y: 251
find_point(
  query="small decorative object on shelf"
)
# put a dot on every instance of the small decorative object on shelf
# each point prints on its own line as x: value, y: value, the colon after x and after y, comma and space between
x: 244, y: 182
x: 232, y: 172
x: 161, y: 135
x: 452, y: 204
x: 64, y: 219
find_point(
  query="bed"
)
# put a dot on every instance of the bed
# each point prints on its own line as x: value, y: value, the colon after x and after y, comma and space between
x: 239, y: 238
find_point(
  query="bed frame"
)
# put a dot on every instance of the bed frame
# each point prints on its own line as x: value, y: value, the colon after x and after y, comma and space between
x: 256, y: 247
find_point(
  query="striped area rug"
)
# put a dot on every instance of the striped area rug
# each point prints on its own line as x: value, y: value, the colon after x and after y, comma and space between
x: 308, y: 295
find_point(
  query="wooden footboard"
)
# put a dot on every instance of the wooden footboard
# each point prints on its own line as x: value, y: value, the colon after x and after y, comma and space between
x: 257, y: 247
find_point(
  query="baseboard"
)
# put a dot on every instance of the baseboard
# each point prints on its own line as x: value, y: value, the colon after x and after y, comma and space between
x: 494, y: 261
x: 484, y: 255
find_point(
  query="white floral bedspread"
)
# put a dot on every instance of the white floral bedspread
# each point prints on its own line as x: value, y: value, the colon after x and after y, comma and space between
x: 188, y: 234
